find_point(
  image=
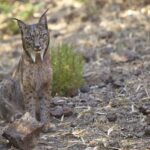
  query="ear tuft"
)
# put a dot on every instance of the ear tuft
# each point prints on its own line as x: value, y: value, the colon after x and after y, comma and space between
x: 21, y: 24
x: 43, y: 19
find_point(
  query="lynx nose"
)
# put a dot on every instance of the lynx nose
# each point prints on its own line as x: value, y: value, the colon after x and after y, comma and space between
x: 37, y: 47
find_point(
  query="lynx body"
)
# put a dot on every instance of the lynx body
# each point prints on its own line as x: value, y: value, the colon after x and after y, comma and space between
x: 34, y: 70
x: 33, y: 74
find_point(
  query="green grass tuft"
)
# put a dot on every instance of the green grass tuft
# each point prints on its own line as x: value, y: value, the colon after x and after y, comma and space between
x: 67, y: 70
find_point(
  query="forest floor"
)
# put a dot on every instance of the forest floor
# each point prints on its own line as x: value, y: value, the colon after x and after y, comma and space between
x: 112, y: 111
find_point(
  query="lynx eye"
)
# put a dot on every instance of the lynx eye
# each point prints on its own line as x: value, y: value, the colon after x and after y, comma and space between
x: 28, y: 41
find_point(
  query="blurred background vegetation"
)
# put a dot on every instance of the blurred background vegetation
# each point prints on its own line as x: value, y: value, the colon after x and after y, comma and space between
x: 27, y: 9
x: 19, y: 9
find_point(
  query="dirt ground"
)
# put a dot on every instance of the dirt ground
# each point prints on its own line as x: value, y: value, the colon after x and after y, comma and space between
x: 112, y: 110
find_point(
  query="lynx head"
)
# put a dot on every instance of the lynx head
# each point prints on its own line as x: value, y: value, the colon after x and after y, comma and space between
x: 35, y: 37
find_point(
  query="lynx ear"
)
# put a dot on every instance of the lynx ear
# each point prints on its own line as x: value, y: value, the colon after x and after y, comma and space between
x: 21, y: 24
x: 43, y: 19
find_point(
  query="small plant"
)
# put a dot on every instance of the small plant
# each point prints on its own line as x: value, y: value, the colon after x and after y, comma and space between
x: 67, y: 70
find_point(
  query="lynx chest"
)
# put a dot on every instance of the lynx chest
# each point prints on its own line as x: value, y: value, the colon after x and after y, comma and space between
x: 37, y: 76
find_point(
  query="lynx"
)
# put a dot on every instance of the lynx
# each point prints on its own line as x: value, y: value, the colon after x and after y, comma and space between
x: 34, y: 72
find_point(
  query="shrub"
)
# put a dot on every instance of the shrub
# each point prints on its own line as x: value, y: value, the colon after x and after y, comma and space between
x: 67, y: 70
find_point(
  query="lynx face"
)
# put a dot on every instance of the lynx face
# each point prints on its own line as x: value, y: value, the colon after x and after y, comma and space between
x: 35, y: 38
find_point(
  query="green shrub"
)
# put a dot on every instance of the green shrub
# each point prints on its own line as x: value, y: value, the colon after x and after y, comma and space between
x: 67, y: 70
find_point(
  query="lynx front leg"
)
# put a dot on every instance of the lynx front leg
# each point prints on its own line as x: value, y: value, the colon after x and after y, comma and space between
x: 30, y: 102
x: 45, y: 106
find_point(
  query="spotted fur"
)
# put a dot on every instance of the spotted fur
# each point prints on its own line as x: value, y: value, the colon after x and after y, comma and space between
x: 34, y: 71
